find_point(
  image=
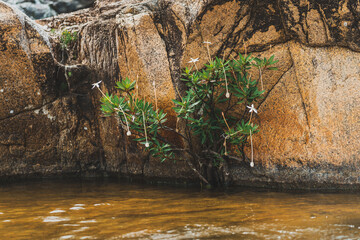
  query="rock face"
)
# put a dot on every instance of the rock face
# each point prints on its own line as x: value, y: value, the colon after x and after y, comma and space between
x: 309, y: 118
x: 41, y: 127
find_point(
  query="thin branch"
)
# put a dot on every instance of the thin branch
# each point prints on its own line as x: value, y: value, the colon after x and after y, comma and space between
x: 173, y: 130
x: 225, y: 121
x: 235, y: 158
x: 218, y: 155
x: 196, y: 171
x: 202, y: 99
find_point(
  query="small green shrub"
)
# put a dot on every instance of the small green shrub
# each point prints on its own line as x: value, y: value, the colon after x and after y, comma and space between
x: 67, y: 38
x: 215, y: 114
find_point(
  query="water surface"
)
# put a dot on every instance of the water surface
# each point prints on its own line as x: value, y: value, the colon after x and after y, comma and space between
x: 76, y: 209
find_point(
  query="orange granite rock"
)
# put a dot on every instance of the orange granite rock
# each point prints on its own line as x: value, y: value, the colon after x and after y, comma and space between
x: 309, y: 117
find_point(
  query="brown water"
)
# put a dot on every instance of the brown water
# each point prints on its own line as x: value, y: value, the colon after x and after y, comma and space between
x: 114, y: 210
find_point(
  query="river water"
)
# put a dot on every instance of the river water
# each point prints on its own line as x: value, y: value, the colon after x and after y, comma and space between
x: 79, y: 209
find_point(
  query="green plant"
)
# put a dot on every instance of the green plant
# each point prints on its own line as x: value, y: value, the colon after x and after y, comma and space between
x: 214, y: 110
x: 67, y: 38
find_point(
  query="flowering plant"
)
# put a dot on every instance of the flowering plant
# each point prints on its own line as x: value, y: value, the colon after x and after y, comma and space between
x: 214, y: 115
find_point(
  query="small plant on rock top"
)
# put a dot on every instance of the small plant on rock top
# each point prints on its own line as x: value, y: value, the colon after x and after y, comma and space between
x: 68, y: 43
x: 214, y: 112
x: 67, y: 38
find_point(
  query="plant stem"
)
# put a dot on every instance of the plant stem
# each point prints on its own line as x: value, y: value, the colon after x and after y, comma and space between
x: 156, y: 103
x: 262, y: 85
x: 252, y: 150
x: 208, y: 51
x: 227, y: 94
x: 173, y: 130
x: 196, y: 67
x: 147, y: 143
x: 196, y: 171
x: 225, y: 120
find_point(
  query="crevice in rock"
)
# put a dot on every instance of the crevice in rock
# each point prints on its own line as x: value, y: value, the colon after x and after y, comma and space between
x: 235, y: 39
x: 279, y: 79
x: 324, y: 21
x: 28, y: 110
x: 281, y: 12
x: 171, y: 39
x: 178, y: 18
x: 300, y: 92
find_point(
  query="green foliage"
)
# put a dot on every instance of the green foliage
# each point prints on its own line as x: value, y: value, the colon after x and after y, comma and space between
x: 214, y: 109
x: 67, y: 38
x: 126, y: 85
x: 215, y: 90
x: 139, y: 117
x: 265, y: 63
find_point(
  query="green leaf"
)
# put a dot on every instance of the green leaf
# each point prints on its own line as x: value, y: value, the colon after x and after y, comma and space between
x: 199, y: 109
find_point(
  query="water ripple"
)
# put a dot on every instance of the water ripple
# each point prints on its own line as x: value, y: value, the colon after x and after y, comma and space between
x: 88, y: 221
x: 77, y: 208
x: 52, y: 219
x: 67, y: 237
x: 58, y: 211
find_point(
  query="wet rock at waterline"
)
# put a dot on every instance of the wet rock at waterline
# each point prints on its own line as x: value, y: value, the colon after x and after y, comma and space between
x: 309, y: 118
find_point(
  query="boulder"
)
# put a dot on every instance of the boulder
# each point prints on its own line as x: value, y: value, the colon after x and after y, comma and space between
x: 308, y: 118
x: 42, y: 129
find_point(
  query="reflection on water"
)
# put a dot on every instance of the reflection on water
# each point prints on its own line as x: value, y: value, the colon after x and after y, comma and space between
x: 115, y: 210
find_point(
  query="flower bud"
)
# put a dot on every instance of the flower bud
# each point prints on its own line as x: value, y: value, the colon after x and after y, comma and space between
x: 128, y: 133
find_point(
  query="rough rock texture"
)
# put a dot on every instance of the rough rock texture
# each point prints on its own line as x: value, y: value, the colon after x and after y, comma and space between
x: 309, y: 118
x: 41, y: 128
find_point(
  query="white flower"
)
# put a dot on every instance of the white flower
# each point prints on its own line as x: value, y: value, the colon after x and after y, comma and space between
x: 193, y: 60
x: 207, y: 42
x: 227, y: 95
x: 252, y: 108
x: 146, y: 144
x: 11, y: 111
x: 128, y: 133
x: 201, y: 111
x: 96, y: 84
x: 252, y: 164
